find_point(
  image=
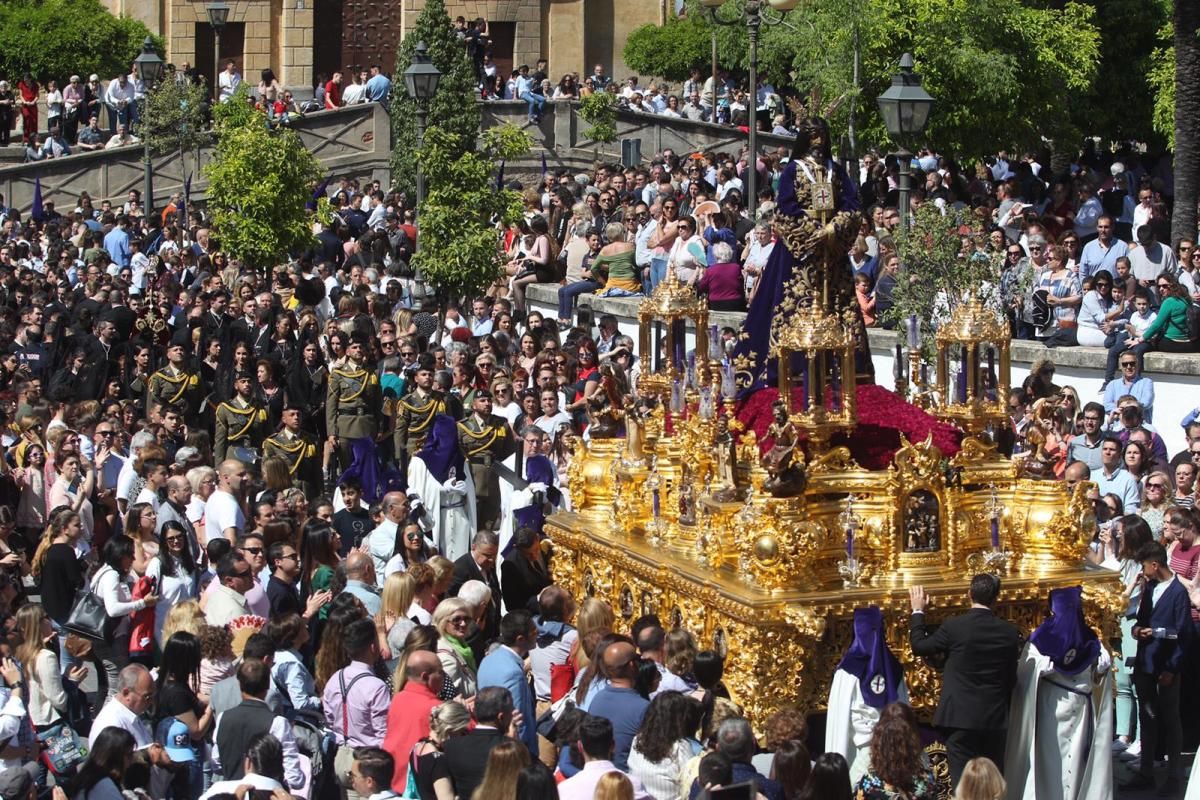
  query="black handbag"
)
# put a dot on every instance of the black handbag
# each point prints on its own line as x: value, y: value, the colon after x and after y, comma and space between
x: 88, y: 617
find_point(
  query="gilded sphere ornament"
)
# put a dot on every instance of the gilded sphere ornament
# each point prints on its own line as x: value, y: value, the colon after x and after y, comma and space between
x: 766, y: 549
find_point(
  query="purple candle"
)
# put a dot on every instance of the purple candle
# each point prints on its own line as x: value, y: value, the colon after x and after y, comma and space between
x: 678, y: 333
x: 914, y: 339
x: 850, y: 541
x: 656, y: 503
x: 899, y: 363
x: 995, y: 533
x: 835, y: 395
x: 962, y: 377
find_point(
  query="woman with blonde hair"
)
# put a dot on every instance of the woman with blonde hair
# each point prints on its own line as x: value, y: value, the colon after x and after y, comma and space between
x: 185, y: 616
x: 203, y: 481
x: 980, y: 780
x: 452, y: 618
x: 504, y: 765
x: 424, y: 600
x: 447, y: 720
x: 443, y: 574
x: 1156, y: 501
x: 392, y: 621
x: 276, y: 477
x: 614, y: 786
x: 47, y: 697
x: 593, y: 615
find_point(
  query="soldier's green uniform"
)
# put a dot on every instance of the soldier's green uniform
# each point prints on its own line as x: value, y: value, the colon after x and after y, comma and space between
x: 179, y: 387
x: 302, y: 454
x: 414, y: 416
x: 485, y: 442
x: 352, y: 406
x: 239, y: 424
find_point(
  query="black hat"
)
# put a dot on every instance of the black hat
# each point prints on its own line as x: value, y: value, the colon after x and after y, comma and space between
x: 181, y: 338
x: 360, y: 338
x: 483, y: 394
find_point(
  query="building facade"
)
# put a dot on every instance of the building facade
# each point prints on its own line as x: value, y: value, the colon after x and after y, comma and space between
x: 303, y: 39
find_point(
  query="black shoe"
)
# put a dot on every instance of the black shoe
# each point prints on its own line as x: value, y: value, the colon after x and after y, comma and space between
x: 1138, y: 781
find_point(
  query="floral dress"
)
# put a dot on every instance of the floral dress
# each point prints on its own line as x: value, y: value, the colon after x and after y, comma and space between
x: 872, y: 787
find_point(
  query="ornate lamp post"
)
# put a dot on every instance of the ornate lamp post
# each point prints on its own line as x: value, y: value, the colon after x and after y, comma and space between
x: 218, y: 15
x: 755, y: 16
x: 421, y: 79
x: 149, y: 69
x: 905, y: 108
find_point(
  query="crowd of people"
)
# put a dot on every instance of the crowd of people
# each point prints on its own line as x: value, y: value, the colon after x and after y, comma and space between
x: 285, y: 527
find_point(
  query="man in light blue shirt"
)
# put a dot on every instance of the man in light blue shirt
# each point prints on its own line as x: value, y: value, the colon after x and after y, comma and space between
x: 1112, y: 478
x: 1102, y: 252
x: 379, y: 86
x: 116, y: 242
x: 1133, y: 383
x: 1086, y: 446
x: 360, y: 581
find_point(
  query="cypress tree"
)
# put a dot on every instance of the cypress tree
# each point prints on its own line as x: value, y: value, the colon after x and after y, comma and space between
x: 453, y: 108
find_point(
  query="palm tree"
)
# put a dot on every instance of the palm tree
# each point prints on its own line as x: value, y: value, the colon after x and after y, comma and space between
x: 1186, y: 18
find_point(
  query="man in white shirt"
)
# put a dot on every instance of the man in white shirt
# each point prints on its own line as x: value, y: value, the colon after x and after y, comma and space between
x: 596, y: 741
x: 381, y: 542
x: 119, y: 98
x: 127, y: 476
x: 228, y: 82
x: 356, y: 92
x: 135, y: 694
x: 223, y: 515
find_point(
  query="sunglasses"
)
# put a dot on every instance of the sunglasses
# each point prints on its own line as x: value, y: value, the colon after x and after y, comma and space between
x: 258, y: 551
x: 1158, y: 486
x: 1128, y: 363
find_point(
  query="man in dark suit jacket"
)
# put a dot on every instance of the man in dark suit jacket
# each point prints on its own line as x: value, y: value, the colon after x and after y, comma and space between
x: 467, y: 756
x: 981, y: 653
x: 1163, y: 631
x: 480, y: 565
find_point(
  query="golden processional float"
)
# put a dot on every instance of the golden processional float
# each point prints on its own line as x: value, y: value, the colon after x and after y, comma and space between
x: 763, y: 553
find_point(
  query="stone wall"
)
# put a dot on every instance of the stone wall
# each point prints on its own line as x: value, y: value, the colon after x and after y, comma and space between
x: 350, y: 141
x: 1176, y: 376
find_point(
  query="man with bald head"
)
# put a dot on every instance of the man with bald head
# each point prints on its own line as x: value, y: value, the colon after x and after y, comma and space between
x: 619, y: 702
x: 174, y: 509
x: 360, y: 580
x: 224, y: 515
x: 381, y: 542
x: 408, y: 715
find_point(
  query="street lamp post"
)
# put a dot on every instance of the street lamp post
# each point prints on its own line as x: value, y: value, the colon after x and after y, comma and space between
x: 905, y: 108
x: 421, y: 79
x: 755, y: 16
x: 149, y: 69
x: 218, y: 15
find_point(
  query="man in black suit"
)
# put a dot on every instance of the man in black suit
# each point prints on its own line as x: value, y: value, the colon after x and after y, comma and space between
x: 480, y: 565
x: 467, y: 756
x: 1163, y: 631
x: 981, y: 653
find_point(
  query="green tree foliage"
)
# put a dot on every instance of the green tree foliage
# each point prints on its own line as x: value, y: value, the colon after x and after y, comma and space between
x: 669, y: 50
x: 453, y: 108
x: 58, y: 38
x: 1000, y: 70
x: 259, y: 182
x: 175, y: 117
x: 458, y: 251
x: 935, y: 276
x: 600, y: 111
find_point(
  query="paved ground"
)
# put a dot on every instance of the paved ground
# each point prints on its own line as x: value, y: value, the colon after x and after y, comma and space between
x: 1121, y: 773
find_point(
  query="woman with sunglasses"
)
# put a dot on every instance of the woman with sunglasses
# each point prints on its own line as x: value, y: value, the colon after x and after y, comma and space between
x: 1156, y: 501
x: 175, y: 572
x: 1169, y: 333
x: 1094, y: 323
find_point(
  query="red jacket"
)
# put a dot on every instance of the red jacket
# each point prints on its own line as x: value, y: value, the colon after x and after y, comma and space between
x: 407, y: 724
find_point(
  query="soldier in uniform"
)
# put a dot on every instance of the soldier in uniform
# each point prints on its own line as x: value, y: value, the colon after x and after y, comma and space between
x: 485, y: 440
x: 415, y: 412
x: 177, y: 383
x: 353, y: 401
x: 241, y: 422
x: 298, y: 449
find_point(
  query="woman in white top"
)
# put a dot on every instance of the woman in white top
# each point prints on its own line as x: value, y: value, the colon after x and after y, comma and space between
x: 47, y: 697
x: 175, y: 572
x: 141, y: 521
x: 424, y: 599
x: 204, y: 483
x: 113, y: 583
x: 687, y: 256
x: 70, y: 489
x: 665, y: 744
x: 54, y: 106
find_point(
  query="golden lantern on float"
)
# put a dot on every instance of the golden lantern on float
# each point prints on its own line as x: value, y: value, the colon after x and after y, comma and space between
x: 817, y: 349
x: 973, y: 366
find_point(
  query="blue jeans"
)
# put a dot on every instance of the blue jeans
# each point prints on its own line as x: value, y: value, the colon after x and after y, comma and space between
x: 658, y: 272
x: 536, y: 103
x: 568, y: 293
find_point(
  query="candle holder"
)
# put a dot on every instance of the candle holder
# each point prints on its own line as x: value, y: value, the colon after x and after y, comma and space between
x: 849, y: 568
x: 995, y: 560
x: 655, y: 526
x: 973, y: 368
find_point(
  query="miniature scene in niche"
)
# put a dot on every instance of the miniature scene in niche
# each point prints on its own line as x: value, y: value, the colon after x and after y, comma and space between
x: 922, y: 526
